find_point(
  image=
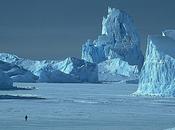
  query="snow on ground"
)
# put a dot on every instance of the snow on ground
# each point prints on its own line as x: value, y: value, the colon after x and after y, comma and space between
x: 107, y: 106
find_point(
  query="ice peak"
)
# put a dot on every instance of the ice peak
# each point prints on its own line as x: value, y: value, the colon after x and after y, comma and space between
x: 117, y: 23
x: 110, y: 10
x: 119, y: 39
x: 113, y: 10
x: 165, y: 44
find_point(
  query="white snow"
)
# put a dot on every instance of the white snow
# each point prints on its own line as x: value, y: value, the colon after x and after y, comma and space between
x: 119, y: 39
x: 158, y: 72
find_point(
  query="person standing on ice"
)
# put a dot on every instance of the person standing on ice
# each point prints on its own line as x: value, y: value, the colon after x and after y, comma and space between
x: 26, y: 117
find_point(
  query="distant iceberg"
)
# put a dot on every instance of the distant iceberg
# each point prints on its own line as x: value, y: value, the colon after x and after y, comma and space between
x: 6, y: 83
x: 158, y: 73
x: 81, y: 69
x: 51, y: 71
x: 16, y: 73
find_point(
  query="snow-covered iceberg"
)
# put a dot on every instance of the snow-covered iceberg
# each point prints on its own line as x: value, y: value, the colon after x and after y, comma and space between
x: 158, y: 73
x: 116, y: 70
x: 119, y: 39
x: 68, y: 70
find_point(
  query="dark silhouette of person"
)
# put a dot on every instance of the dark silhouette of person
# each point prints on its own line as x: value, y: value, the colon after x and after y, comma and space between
x: 26, y: 117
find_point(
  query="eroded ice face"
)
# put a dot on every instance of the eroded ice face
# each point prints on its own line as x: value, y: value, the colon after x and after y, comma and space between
x: 158, y: 72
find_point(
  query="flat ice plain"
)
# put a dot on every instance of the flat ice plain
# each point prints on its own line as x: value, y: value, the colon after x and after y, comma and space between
x: 107, y: 106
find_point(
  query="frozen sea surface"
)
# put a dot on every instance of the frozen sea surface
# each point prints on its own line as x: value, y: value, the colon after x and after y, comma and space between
x: 107, y: 106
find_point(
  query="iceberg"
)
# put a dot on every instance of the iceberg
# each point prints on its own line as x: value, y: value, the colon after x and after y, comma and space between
x: 50, y: 75
x: 52, y: 71
x: 157, y: 76
x: 119, y: 39
x: 16, y: 73
x: 83, y: 70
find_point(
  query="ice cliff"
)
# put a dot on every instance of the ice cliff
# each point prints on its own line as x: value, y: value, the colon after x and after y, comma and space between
x: 158, y: 73
x: 119, y: 39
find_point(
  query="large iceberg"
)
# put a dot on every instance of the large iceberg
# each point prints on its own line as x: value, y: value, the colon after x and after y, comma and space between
x: 158, y: 73
x: 119, y: 39
x: 68, y: 70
